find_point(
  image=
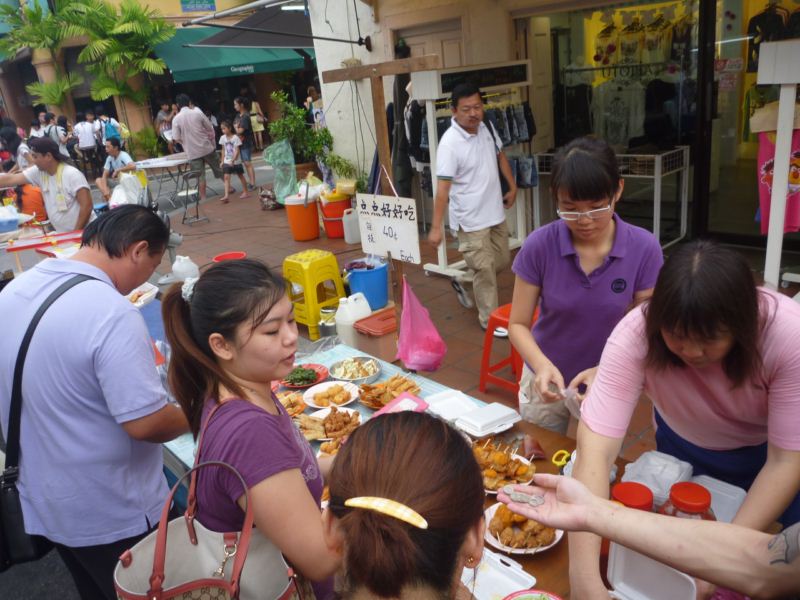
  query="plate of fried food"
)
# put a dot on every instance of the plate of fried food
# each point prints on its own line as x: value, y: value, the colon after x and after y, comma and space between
x: 328, y: 423
x: 515, y: 534
x: 292, y: 402
x: 330, y: 393
x: 331, y: 448
x: 357, y: 370
x: 303, y: 376
x: 501, y: 466
x: 378, y: 395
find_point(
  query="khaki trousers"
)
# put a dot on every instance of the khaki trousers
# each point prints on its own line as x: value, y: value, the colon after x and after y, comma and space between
x: 485, y: 251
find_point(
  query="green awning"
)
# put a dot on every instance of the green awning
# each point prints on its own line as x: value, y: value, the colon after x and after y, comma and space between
x: 195, y: 64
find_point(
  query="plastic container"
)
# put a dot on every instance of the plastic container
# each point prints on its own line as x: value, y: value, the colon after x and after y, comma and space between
x: 237, y: 255
x: 346, y: 186
x: 496, y: 576
x: 327, y: 321
x: 688, y: 500
x: 373, y: 283
x: 630, y: 494
x: 352, y: 232
x: 637, y: 577
x: 303, y: 218
x: 488, y: 419
x: 9, y: 219
x: 450, y: 404
x: 351, y: 309
x: 184, y: 267
x: 726, y: 499
x: 377, y: 334
x: 332, y: 212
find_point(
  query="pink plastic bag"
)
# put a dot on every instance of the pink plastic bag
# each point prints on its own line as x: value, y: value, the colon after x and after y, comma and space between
x: 420, y: 346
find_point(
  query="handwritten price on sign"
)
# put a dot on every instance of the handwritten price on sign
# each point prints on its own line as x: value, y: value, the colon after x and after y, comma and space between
x: 389, y: 224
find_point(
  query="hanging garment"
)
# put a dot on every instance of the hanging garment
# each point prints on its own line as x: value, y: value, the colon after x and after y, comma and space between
x: 793, y: 26
x: 512, y: 125
x: 527, y: 175
x: 767, y: 26
x: 415, y: 120
x: 401, y: 161
x: 618, y: 111
x: 756, y: 97
x: 631, y: 44
x: 657, y: 44
x: 606, y: 47
x: 529, y: 121
x: 766, y: 164
x: 681, y: 44
x: 522, y: 126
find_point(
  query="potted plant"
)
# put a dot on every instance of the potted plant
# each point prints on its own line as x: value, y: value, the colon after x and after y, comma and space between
x: 308, y: 144
x: 346, y: 169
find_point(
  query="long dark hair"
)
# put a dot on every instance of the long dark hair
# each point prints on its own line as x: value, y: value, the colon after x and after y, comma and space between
x: 11, y: 140
x: 705, y: 289
x: 585, y: 169
x: 385, y: 457
x: 226, y: 295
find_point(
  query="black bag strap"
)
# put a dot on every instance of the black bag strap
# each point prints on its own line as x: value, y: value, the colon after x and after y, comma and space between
x: 15, y: 413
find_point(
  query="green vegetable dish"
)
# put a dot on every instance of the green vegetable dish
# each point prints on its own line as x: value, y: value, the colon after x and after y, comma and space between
x: 301, y: 376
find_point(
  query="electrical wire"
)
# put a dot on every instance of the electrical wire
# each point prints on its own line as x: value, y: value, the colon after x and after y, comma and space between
x: 364, y: 114
x: 355, y: 12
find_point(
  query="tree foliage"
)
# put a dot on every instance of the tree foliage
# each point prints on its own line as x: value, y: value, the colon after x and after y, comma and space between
x: 55, y: 92
x: 307, y: 143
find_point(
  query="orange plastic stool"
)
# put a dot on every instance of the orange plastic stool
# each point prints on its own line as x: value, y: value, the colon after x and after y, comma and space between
x: 499, y: 318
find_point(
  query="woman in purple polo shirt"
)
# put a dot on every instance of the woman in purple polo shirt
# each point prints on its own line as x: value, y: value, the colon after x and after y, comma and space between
x: 232, y: 333
x: 585, y: 271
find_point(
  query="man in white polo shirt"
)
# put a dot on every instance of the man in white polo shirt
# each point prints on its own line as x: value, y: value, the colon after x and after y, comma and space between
x: 468, y: 165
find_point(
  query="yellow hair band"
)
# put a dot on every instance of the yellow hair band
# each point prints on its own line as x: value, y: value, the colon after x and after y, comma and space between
x: 388, y: 507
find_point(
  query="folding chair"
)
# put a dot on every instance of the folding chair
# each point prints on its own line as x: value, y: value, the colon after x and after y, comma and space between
x: 188, y: 193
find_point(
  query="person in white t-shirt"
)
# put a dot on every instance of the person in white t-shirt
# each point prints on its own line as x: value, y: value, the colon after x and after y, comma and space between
x: 64, y: 188
x: 85, y: 131
x: 231, y: 160
x: 469, y: 163
x: 37, y: 130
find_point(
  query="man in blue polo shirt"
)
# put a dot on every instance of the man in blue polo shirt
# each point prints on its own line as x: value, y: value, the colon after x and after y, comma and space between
x: 468, y: 165
x: 94, y: 412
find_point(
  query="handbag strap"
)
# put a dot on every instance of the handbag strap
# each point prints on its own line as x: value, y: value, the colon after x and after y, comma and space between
x: 15, y: 413
x: 191, y: 500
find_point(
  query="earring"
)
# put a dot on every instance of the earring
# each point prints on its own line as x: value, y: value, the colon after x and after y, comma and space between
x: 470, y: 561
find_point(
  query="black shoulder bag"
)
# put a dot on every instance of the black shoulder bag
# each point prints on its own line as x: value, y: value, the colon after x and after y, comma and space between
x: 504, y: 189
x: 16, y: 546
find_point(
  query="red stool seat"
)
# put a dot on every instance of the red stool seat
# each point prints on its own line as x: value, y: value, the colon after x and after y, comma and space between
x: 499, y: 318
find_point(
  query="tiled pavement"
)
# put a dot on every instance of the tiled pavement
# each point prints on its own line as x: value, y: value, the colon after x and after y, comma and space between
x: 265, y: 235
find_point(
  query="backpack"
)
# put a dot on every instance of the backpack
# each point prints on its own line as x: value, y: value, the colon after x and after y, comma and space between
x: 110, y: 130
x: 49, y: 133
x: 124, y: 131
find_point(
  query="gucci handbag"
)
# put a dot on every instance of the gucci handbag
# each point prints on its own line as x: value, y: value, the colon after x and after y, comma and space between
x: 17, y: 546
x: 184, y: 560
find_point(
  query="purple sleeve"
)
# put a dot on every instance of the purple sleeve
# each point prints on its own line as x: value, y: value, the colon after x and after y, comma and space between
x: 529, y: 262
x: 650, y: 264
x: 258, y: 449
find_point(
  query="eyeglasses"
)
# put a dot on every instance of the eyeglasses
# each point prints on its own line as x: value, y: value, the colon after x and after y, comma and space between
x: 593, y: 214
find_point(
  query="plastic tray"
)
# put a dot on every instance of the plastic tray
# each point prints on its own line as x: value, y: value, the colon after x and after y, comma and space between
x: 725, y: 498
x: 496, y: 576
x: 487, y: 420
x: 634, y: 576
x: 449, y: 405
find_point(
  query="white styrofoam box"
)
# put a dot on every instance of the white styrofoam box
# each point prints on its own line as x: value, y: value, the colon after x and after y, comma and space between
x: 725, y: 498
x: 659, y: 472
x: 488, y: 419
x: 634, y: 576
x: 449, y: 404
x: 496, y: 576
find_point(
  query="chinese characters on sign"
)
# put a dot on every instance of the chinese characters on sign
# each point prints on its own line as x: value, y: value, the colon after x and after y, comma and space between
x: 389, y: 224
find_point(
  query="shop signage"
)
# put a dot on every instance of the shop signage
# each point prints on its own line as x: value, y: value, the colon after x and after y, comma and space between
x: 243, y: 69
x: 389, y: 224
x: 729, y: 65
x: 190, y: 6
x: 728, y: 82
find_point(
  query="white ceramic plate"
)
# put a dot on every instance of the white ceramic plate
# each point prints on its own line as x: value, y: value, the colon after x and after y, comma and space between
x: 308, y: 395
x: 521, y: 459
x: 321, y: 414
x: 495, y: 543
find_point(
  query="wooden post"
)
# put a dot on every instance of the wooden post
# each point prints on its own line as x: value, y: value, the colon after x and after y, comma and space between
x: 375, y: 73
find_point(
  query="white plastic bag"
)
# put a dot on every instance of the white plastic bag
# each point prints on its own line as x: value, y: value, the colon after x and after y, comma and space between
x: 127, y: 191
x: 184, y: 267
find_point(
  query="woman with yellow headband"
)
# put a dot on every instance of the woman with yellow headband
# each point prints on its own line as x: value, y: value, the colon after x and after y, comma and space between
x: 406, y: 509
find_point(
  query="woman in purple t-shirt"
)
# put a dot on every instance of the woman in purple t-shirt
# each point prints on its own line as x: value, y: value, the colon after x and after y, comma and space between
x: 232, y: 333
x: 584, y: 271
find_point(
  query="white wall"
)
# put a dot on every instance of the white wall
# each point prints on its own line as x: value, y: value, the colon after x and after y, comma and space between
x: 487, y: 37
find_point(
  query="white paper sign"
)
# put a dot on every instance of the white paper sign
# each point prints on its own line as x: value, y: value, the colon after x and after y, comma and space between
x: 389, y: 224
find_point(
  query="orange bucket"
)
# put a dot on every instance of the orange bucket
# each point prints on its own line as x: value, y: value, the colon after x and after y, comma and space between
x: 332, y: 214
x: 303, y: 220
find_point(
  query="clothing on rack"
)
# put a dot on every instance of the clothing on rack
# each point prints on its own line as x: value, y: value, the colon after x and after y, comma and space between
x: 512, y: 125
x: 577, y: 111
x: 756, y: 97
x: 657, y: 42
x: 402, y: 172
x: 529, y: 120
x: 606, y: 47
x: 414, y: 117
x: 683, y: 32
x: 618, y: 109
x: 527, y: 175
x: 631, y: 44
x: 766, y: 164
x: 522, y: 125
x: 793, y: 26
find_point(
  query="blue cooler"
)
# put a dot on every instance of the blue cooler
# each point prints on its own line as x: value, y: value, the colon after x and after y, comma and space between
x: 373, y: 283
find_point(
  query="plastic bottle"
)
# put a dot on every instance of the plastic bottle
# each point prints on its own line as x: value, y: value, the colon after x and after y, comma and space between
x: 630, y: 494
x: 688, y: 500
x: 352, y: 233
x: 351, y: 309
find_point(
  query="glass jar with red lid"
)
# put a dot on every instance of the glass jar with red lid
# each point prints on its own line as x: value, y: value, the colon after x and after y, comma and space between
x: 688, y: 500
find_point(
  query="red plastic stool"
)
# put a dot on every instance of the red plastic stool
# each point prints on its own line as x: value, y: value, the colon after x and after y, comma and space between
x: 499, y: 318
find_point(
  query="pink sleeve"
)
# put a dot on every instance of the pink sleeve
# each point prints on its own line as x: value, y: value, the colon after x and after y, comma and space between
x: 782, y: 366
x: 619, y: 382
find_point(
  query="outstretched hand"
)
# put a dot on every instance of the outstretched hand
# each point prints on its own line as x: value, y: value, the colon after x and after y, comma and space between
x: 566, y: 502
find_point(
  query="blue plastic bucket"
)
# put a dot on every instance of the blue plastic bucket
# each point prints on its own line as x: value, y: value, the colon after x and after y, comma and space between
x: 373, y: 283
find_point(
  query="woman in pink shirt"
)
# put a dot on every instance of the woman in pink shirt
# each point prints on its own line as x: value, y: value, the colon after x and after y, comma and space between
x: 720, y: 359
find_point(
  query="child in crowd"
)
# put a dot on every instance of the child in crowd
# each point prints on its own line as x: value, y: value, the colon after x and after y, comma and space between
x: 232, y: 333
x: 231, y: 160
x: 401, y: 535
x: 584, y: 272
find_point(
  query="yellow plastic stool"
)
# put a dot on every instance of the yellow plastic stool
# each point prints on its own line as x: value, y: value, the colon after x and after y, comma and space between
x: 317, y: 272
